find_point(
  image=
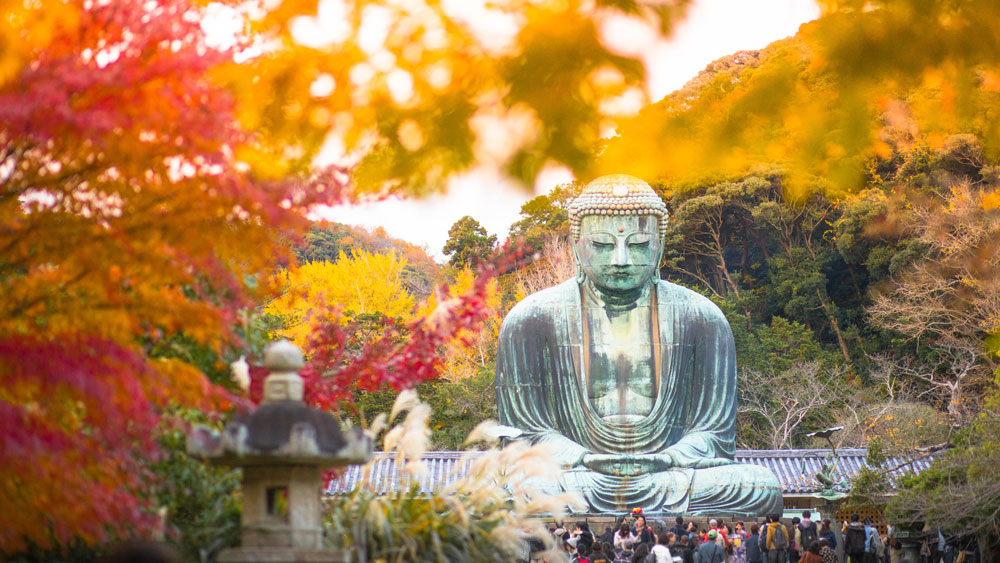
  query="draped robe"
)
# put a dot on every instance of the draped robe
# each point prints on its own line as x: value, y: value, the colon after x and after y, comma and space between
x: 541, y: 389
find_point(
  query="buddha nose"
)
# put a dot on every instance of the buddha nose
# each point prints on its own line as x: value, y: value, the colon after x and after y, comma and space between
x: 621, y: 257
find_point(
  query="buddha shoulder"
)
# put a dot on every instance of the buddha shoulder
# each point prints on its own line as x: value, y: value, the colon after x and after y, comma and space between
x: 542, y: 305
x: 696, y: 305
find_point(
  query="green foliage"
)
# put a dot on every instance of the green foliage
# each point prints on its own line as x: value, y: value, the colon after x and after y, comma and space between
x: 871, y: 486
x: 545, y: 216
x: 468, y: 243
x: 76, y: 552
x: 202, y: 502
x: 460, y: 405
x: 960, y: 492
x: 780, y: 345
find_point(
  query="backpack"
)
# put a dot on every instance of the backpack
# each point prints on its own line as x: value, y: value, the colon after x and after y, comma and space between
x: 875, y: 545
x: 809, y: 535
x: 854, y: 541
x: 780, y: 539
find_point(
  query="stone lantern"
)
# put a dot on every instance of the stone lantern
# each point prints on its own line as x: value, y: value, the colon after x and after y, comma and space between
x: 283, y: 447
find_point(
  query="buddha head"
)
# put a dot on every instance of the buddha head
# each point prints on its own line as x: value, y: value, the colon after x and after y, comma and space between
x: 617, y: 227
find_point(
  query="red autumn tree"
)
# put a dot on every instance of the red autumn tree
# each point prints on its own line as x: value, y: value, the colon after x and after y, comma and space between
x: 129, y: 214
x: 124, y: 220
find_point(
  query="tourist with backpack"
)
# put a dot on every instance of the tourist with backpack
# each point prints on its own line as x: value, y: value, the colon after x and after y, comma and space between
x: 711, y: 552
x: 855, y: 540
x: 874, y: 547
x: 776, y: 540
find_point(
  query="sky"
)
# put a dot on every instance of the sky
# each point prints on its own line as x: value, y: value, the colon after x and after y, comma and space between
x: 712, y: 29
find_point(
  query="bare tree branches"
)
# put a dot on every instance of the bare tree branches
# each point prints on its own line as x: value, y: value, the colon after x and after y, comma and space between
x: 949, y: 301
x: 779, y: 404
x: 554, y: 266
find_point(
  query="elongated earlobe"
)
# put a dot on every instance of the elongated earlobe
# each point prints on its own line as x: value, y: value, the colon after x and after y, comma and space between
x: 580, y: 274
x: 656, y: 271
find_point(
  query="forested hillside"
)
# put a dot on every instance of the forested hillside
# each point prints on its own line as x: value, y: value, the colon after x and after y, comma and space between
x: 836, y: 193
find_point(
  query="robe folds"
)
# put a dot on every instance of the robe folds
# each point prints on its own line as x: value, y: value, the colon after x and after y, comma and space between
x: 541, y: 390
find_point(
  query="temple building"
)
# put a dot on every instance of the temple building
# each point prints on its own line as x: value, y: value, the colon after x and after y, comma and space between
x: 795, y: 469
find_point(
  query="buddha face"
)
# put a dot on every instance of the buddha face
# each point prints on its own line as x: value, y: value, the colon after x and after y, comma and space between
x: 618, y: 252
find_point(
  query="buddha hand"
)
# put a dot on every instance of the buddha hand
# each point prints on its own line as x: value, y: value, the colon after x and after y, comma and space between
x: 639, y: 464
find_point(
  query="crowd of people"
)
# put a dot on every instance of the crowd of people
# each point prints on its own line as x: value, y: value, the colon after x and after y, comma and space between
x: 634, y: 541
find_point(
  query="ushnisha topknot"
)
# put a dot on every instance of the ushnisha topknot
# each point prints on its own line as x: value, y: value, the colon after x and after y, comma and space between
x: 617, y: 194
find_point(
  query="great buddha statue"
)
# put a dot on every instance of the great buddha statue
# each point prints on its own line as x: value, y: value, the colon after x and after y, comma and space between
x: 630, y: 379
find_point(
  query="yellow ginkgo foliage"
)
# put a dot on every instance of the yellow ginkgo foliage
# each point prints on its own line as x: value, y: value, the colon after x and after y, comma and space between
x: 468, y: 351
x: 362, y: 284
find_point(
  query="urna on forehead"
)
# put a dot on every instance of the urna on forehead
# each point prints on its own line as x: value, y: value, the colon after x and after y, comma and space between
x: 617, y: 195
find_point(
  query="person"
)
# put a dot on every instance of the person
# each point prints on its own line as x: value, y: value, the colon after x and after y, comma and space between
x: 532, y: 544
x: 661, y: 551
x: 560, y: 532
x: 738, y: 541
x: 794, y: 543
x: 873, y: 542
x: 776, y: 540
x: 722, y: 539
x: 572, y: 552
x: 855, y: 539
x: 597, y: 553
x: 583, y: 532
x: 826, y: 533
x: 754, y: 552
x: 687, y: 549
x: 827, y: 552
x: 639, y: 417
x: 640, y: 553
x: 676, y: 549
x: 811, y: 554
x: 711, y: 552
x: 678, y: 529
x: 608, y: 536
x: 896, y: 551
x: 625, y: 538
x: 609, y: 553
x: 808, y: 531
x: 644, y: 532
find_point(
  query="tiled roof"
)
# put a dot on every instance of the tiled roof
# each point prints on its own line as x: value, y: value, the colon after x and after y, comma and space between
x: 796, y: 469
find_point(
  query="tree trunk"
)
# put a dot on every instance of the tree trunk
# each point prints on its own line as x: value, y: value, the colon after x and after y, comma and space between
x: 854, y: 281
x: 835, y: 325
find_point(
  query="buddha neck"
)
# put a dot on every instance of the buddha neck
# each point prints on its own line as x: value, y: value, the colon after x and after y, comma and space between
x: 616, y: 301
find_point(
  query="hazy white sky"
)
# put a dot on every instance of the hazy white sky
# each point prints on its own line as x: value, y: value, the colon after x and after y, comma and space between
x: 713, y: 28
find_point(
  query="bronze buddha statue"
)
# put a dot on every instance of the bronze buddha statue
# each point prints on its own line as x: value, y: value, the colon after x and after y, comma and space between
x: 630, y: 379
